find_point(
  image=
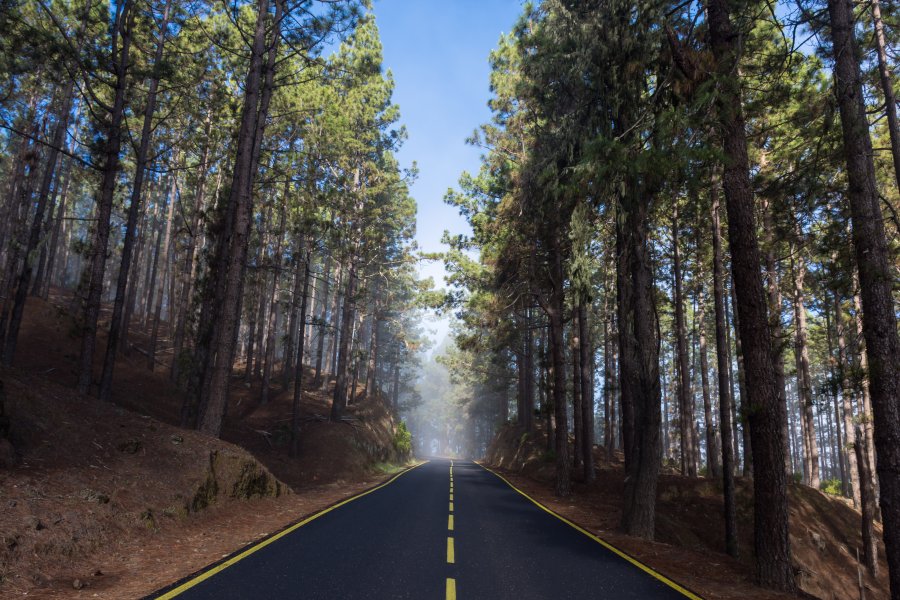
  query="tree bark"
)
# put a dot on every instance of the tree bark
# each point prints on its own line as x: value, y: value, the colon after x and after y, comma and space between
x: 772, y: 543
x: 586, y: 363
x: 189, y: 267
x: 249, y: 138
x: 866, y: 414
x: 712, y: 445
x: 134, y: 212
x: 725, y: 399
x: 577, y: 415
x: 167, y: 273
x: 348, y: 316
x: 778, y: 338
x: 323, y: 322
x: 111, y: 165
x: 804, y: 379
x: 685, y: 396
x: 875, y: 277
x: 867, y: 505
x: 274, y: 308
x: 887, y: 87
x: 846, y: 405
x: 638, y: 366
x: 554, y: 309
x: 298, y: 368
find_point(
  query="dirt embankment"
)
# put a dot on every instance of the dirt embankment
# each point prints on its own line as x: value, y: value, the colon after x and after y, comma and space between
x: 114, y: 500
x: 689, y: 546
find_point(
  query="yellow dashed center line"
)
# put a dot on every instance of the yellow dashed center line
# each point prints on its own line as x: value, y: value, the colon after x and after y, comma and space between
x: 451, y: 553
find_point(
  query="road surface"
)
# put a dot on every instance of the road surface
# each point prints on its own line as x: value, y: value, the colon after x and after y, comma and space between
x: 438, y: 531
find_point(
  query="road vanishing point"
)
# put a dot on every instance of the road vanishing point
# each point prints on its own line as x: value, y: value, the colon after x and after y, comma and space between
x: 442, y: 530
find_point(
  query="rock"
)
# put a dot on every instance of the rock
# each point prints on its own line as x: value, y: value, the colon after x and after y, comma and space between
x: 93, y: 496
x: 130, y: 446
x: 177, y: 439
x: 818, y: 541
x: 35, y: 523
x: 78, y: 584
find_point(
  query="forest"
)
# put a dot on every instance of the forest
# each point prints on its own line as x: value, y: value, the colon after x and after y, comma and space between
x: 682, y: 247
x: 203, y: 169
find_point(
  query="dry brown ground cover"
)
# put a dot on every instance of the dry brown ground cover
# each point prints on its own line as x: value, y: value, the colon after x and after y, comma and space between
x: 689, y: 546
x: 115, y: 501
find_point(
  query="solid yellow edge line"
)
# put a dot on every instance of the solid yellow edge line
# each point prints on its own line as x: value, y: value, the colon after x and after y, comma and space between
x: 451, y: 589
x: 222, y: 566
x: 605, y: 544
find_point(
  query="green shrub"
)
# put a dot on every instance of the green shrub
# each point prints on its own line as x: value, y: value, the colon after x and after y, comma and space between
x: 403, y: 440
x: 832, y: 486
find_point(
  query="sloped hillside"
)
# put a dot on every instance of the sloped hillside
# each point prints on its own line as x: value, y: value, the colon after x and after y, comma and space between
x: 825, y: 530
x: 93, y: 492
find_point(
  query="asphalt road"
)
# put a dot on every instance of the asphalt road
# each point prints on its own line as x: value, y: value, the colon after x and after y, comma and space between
x: 436, y: 532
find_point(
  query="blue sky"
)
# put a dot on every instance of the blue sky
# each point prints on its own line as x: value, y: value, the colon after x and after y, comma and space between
x: 438, y: 53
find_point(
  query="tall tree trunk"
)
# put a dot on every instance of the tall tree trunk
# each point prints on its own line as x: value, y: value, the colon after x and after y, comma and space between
x: 887, y: 86
x: 348, y: 316
x: 287, y: 370
x: 867, y: 505
x: 804, y: 379
x: 723, y: 357
x: 112, y: 148
x: 134, y: 212
x: 638, y: 366
x: 59, y: 219
x: 577, y: 415
x: 778, y: 337
x: 298, y: 368
x: 528, y: 358
x: 685, y: 396
x: 189, y: 265
x: 609, y: 378
x: 372, y: 362
x: 166, y: 274
x: 586, y: 363
x: 252, y: 128
x: 712, y: 445
x: 846, y: 405
x: 875, y: 277
x: 323, y: 322
x: 37, y: 225
x: 836, y: 439
x: 772, y: 543
x: 554, y: 309
x: 866, y: 414
x: 274, y: 308
x: 742, y: 386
